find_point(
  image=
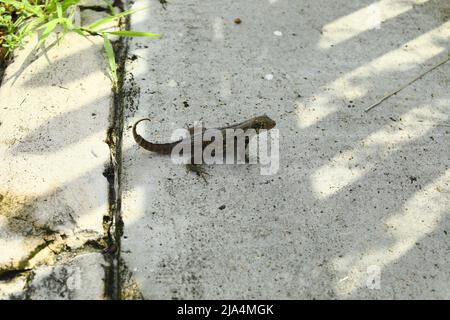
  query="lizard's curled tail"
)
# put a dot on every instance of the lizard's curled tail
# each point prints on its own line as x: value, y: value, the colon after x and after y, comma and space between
x: 162, y: 148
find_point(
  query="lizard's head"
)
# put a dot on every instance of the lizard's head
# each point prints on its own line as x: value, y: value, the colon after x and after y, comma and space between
x: 264, y: 122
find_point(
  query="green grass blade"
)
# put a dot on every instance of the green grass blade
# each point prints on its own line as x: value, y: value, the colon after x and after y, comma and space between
x: 59, y: 10
x: 29, y: 27
x: 48, y: 28
x: 111, y: 8
x: 25, y: 5
x: 108, y: 19
x: 52, y: 6
x: 79, y: 31
x: 49, y: 23
x: 111, y: 58
x: 67, y: 3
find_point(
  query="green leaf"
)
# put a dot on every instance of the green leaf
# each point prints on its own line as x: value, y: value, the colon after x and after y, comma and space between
x: 31, y: 25
x: 69, y: 24
x: 111, y: 58
x: 128, y: 33
x: 51, y: 7
x: 51, y: 22
x: 111, y: 8
x: 109, y: 19
x: 26, y: 6
x: 79, y: 31
x: 49, y: 27
x: 59, y: 10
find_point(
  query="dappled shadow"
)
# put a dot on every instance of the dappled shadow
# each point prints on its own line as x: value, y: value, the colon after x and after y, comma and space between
x: 30, y: 58
x: 59, y: 132
x: 55, y: 72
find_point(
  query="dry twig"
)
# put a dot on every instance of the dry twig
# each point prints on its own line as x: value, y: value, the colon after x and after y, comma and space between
x: 404, y: 86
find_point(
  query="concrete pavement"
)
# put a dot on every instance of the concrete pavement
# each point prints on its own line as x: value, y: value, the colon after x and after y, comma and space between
x: 359, y: 207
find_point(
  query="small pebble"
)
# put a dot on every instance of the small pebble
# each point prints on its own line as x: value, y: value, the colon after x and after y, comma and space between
x: 237, y: 21
x: 172, y: 83
x: 268, y: 76
x: 278, y: 33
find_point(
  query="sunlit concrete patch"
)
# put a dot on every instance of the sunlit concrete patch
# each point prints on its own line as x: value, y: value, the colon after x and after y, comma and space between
x: 365, y: 19
x: 217, y: 27
x: 136, y: 205
x: 82, y: 160
x: 342, y: 171
x: 356, y: 84
x: 310, y: 111
x: 226, y: 90
x: 411, y: 54
x: 414, y: 124
x: 351, y: 165
x: 54, y: 110
x: 420, y: 215
x: 80, y: 278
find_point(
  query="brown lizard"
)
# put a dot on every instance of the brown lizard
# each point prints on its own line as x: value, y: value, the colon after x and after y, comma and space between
x: 256, y: 123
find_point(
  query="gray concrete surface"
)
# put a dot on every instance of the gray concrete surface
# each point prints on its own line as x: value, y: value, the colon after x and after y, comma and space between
x: 54, y: 114
x: 360, y: 206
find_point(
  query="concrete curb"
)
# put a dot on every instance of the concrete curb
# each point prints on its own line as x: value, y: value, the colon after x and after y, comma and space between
x: 55, y: 110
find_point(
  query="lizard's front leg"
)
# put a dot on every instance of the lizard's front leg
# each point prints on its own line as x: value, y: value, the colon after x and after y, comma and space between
x: 163, y: 4
x: 198, y: 169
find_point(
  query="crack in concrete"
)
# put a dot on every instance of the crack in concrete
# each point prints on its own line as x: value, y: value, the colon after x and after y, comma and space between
x: 114, y: 225
x: 26, y: 265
